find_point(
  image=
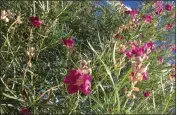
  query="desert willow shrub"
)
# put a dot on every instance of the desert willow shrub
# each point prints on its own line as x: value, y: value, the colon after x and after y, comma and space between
x: 42, y: 41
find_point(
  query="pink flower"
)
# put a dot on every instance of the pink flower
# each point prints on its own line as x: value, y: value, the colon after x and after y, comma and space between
x: 128, y: 53
x: 146, y: 93
x: 25, y: 111
x: 160, y: 60
x: 169, y: 26
x: 150, y: 45
x: 158, y: 7
x: 35, y: 21
x: 158, y: 4
x: 78, y: 81
x: 68, y: 42
x: 158, y: 10
x: 133, y: 13
x: 145, y: 77
x: 168, y: 7
x: 147, y: 18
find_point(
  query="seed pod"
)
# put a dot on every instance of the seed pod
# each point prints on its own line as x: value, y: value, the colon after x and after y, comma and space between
x: 125, y: 90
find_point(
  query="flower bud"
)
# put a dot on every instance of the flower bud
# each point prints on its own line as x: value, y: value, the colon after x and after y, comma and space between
x: 134, y: 67
x: 139, y: 77
x: 136, y: 89
x: 142, y: 69
x: 133, y: 96
x: 32, y: 49
x: 6, y: 19
x: 84, y: 63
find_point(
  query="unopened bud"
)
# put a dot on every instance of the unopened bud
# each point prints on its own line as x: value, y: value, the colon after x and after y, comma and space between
x: 32, y: 49
x: 6, y: 19
x: 139, y: 77
x: 133, y: 96
x: 84, y: 63
x: 136, y: 89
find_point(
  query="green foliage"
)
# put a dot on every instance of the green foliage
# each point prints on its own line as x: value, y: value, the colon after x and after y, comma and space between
x: 41, y: 87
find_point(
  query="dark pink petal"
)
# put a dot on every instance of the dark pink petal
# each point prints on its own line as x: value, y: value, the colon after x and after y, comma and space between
x: 85, y: 88
x: 158, y: 4
x: 168, y: 7
x: 25, y: 111
x: 148, y: 18
x: 145, y: 77
x: 72, y: 76
x: 127, y: 11
x: 128, y: 54
x: 158, y: 7
x: 146, y: 93
x: 35, y: 21
x: 72, y: 89
x: 158, y: 10
x: 68, y: 42
x: 169, y: 26
x: 134, y: 13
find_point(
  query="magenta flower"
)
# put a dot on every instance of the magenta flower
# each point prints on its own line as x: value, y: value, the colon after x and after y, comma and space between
x: 128, y: 53
x: 146, y: 48
x: 25, y: 111
x: 68, y: 42
x: 35, y: 21
x: 145, y: 77
x: 158, y: 10
x: 146, y: 93
x: 150, y: 45
x: 168, y: 7
x: 169, y: 26
x: 78, y: 81
x: 133, y: 13
x: 147, y: 18
x: 160, y: 60
x: 158, y: 7
x: 158, y: 4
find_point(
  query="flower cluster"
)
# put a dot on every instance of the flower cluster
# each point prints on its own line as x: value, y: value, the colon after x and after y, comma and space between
x: 139, y: 71
x: 133, y: 13
x: 141, y: 52
x: 158, y: 7
x: 78, y: 81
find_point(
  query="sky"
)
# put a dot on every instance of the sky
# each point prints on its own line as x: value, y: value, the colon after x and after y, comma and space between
x: 133, y: 4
